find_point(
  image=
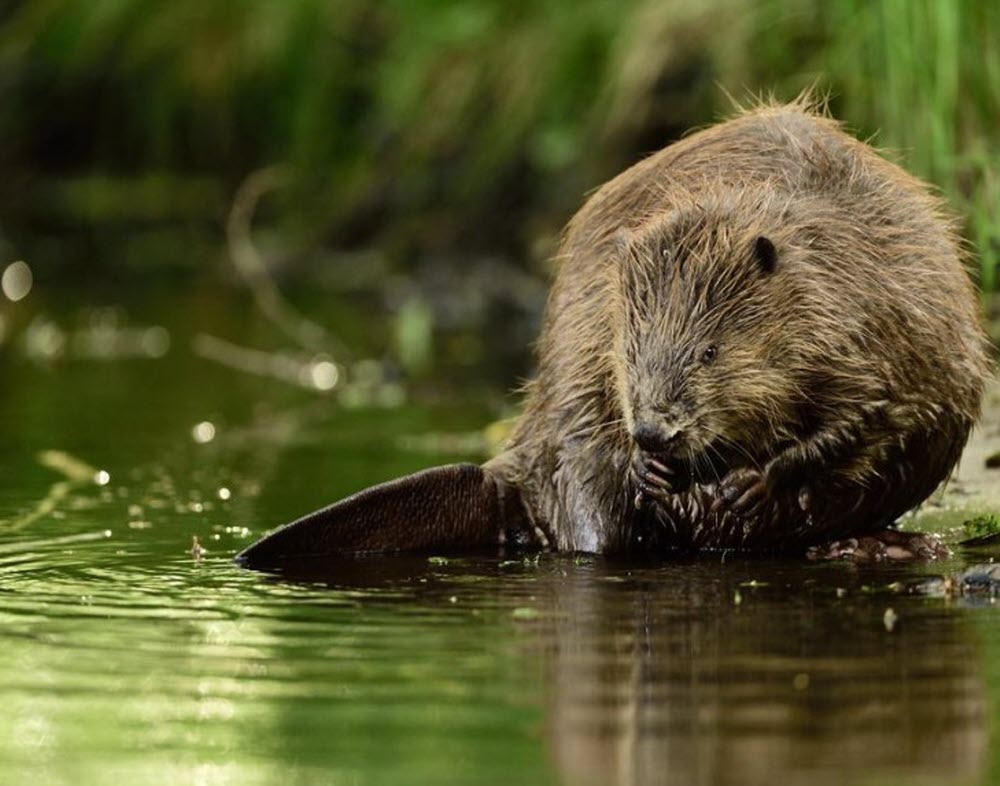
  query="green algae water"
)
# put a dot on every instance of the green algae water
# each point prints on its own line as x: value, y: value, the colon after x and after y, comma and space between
x: 133, y: 650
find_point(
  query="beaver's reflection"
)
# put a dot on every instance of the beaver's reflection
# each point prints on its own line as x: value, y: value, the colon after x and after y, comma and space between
x: 691, y: 678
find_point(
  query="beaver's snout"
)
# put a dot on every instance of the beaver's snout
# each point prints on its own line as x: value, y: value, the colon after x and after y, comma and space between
x: 653, y: 437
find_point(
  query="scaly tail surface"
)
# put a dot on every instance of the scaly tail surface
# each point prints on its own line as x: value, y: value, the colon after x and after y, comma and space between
x: 459, y: 506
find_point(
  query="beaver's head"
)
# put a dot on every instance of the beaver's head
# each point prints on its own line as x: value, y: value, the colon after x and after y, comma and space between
x: 705, y: 356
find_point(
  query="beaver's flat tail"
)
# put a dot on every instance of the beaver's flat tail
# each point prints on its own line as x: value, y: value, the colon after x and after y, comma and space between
x: 454, y: 507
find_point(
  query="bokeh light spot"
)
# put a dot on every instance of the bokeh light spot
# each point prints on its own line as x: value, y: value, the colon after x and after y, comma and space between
x: 203, y: 432
x: 16, y: 281
x: 323, y: 375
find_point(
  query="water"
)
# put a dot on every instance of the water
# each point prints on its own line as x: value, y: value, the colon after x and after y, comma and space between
x: 127, y: 656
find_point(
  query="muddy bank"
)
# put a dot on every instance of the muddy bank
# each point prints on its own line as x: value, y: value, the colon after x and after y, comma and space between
x: 974, y: 490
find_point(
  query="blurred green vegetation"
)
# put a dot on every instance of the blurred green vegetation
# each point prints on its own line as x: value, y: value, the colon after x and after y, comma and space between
x: 448, y: 127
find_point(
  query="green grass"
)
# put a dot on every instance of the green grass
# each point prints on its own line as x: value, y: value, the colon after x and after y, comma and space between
x: 981, y: 526
x: 926, y: 76
x: 426, y: 125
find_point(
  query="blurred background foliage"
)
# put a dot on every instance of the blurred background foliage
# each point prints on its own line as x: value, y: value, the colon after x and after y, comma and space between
x: 438, y: 129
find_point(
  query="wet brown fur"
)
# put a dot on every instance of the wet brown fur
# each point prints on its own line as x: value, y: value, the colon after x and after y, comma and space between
x: 854, y: 370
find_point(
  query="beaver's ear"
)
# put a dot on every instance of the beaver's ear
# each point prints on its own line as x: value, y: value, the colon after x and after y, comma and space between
x: 452, y: 507
x: 766, y: 254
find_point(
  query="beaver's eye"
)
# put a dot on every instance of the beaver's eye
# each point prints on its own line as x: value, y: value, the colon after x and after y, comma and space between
x: 709, y: 354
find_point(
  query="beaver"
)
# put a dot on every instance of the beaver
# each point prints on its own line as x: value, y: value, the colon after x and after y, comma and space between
x: 762, y: 337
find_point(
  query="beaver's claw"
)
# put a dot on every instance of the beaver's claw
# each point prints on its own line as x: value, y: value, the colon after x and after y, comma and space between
x: 748, y: 492
x: 653, y: 478
x: 743, y: 491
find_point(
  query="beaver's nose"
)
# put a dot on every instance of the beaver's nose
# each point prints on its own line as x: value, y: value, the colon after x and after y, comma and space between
x: 653, y: 438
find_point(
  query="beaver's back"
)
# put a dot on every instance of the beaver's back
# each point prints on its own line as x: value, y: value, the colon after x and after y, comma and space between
x: 887, y: 255
x: 884, y: 272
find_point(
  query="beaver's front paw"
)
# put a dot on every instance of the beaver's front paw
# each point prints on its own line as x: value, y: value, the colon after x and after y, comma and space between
x: 652, y: 477
x: 749, y: 492
x: 743, y: 491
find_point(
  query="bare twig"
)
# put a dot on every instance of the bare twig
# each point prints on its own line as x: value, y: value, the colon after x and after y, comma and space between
x: 76, y: 474
x: 251, y: 266
x: 316, y: 373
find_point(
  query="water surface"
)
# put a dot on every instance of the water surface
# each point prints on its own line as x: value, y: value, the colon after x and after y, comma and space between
x: 129, y: 656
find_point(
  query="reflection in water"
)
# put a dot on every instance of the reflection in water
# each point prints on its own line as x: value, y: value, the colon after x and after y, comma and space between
x: 743, y: 673
x: 674, y: 681
x: 75, y: 473
x: 123, y: 658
